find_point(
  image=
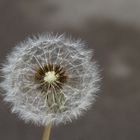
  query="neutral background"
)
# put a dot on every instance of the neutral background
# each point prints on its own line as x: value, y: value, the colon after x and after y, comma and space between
x: 112, y: 28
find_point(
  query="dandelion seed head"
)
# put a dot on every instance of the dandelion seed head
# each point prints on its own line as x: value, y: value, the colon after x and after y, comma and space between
x: 50, y: 78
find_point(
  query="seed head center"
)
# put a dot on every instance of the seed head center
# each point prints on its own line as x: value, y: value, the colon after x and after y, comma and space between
x: 50, y: 77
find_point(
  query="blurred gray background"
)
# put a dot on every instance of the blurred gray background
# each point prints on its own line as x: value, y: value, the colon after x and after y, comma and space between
x: 112, y: 28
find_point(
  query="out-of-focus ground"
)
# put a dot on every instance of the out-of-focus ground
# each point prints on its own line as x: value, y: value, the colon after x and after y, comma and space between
x: 112, y: 28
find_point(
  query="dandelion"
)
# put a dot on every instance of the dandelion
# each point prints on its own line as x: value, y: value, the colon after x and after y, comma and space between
x: 50, y: 79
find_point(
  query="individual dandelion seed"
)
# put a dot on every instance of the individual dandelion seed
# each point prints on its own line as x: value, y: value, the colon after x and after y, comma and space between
x: 50, y: 79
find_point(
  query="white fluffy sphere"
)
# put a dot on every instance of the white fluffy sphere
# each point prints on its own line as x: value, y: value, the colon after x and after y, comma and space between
x: 50, y: 79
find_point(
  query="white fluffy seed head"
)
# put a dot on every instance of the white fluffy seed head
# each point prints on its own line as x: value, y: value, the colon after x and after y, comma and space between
x: 50, y: 79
